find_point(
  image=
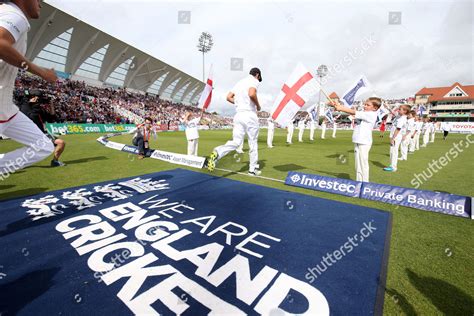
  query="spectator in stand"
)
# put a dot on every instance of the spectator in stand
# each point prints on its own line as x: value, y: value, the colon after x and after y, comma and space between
x: 74, y: 101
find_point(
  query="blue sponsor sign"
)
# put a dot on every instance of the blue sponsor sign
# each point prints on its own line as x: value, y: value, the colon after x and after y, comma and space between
x: 162, y: 244
x: 439, y: 202
x: 130, y: 149
x: 421, y: 199
x: 322, y: 183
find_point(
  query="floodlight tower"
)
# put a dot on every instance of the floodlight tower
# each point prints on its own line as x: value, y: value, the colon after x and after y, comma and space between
x: 204, y: 45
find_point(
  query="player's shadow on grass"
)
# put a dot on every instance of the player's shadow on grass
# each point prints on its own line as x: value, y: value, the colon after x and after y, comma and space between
x: 20, y: 292
x: 4, y: 187
x: 261, y: 163
x: 72, y: 162
x: 341, y: 175
x: 20, y: 193
x: 378, y: 164
x: 447, y: 298
x: 288, y: 167
x: 401, y: 301
x: 83, y: 160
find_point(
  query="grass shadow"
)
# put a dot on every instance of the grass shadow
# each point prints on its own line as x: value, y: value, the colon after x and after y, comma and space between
x: 83, y: 160
x: 447, y: 298
x: 20, y: 193
x: 341, y: 175
x: 4, y: 187
x: 288, y: 167
x: 401, y: 301
x: 378, y: 164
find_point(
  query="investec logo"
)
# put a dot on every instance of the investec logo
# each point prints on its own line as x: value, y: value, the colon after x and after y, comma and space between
x: 130, y: 149
x: 295, y: 178
x: 324, y: 183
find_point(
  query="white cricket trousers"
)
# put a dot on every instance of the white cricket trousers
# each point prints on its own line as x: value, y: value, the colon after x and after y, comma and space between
x: 193, y: 147
x: 289, y: 135
x: 361, y: 153
x: 417, y: 140
x: 37, y: 146
x: 240, y: 149
x: 244, y: 123
x: 312, y: 127
x: 394, y: 153
x: 411, y: 146
x: 300, y: 134
x: 432, y: 137
x: 334, y: 130
x: 323, y: 132
x: 426, y: 138
x: 404, y: 148
x: 270, y: 134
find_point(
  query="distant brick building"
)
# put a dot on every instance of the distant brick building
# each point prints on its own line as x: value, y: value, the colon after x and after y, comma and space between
x: 454, y: 103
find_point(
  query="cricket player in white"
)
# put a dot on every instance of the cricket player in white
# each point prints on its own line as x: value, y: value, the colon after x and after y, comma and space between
x: 418, y: 127
x: 14, y: 124
x: 244, y: 96
x: 290, y: 130
x: 432, y: 132
x: 334, y: 126
x: 399, y: 124
x: 312, y: 127
x: 426, y: 131
x: 362, y: 136
x: 446, y: 128
x: 271, y: 132
x: 301, y: 127
x: 192, y: 134
x: 323, y: 128
x: 408, y: 134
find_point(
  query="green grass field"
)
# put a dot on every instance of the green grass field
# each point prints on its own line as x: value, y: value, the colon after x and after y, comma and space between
x: 431, y: 258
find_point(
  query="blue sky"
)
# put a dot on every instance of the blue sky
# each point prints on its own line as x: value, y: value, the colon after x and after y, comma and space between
x: 432, y: 46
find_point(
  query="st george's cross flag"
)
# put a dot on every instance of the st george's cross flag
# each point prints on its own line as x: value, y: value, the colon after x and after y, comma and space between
x: 294, y: 94
x: 206, y: 94
x: 360, y: 86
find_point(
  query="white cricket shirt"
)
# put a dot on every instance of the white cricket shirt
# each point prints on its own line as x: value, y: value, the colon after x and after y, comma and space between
x: 364, y: 124
x: 192, y: 129
x: 401, y: 123
x: 242, y: 100
x: 14, y: 21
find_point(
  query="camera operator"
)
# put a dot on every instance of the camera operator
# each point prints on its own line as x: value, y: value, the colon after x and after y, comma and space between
x: 39, y: 109
x: 14, y: 26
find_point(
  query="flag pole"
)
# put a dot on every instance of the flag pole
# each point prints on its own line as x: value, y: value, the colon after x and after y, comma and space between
x: 327, y: 96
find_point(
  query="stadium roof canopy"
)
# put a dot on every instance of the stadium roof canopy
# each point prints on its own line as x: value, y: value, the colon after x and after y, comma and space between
x: 79, y: 51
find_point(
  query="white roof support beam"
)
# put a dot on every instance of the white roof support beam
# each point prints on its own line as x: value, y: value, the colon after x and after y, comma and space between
x: 38, y: 38
x: 179, y: 85
x: 170, y: 78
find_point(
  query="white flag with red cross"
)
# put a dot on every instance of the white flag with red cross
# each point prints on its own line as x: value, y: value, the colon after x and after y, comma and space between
x: 294, y: 94
x: 206, y: 94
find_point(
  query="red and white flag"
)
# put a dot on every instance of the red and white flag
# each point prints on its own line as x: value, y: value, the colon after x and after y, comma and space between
x: 294, y: 94
x: 206, y: 94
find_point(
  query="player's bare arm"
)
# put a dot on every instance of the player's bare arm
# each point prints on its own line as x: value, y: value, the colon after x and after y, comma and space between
x: 340, y: 108
x: 253, y: 97
x: 10, y: 55
x: 230, y: 97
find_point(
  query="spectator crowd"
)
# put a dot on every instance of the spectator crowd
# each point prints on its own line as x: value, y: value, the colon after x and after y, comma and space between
x: 77, y: 102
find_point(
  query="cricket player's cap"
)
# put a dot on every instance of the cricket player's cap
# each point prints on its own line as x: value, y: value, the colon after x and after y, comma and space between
x: 255, y: 71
